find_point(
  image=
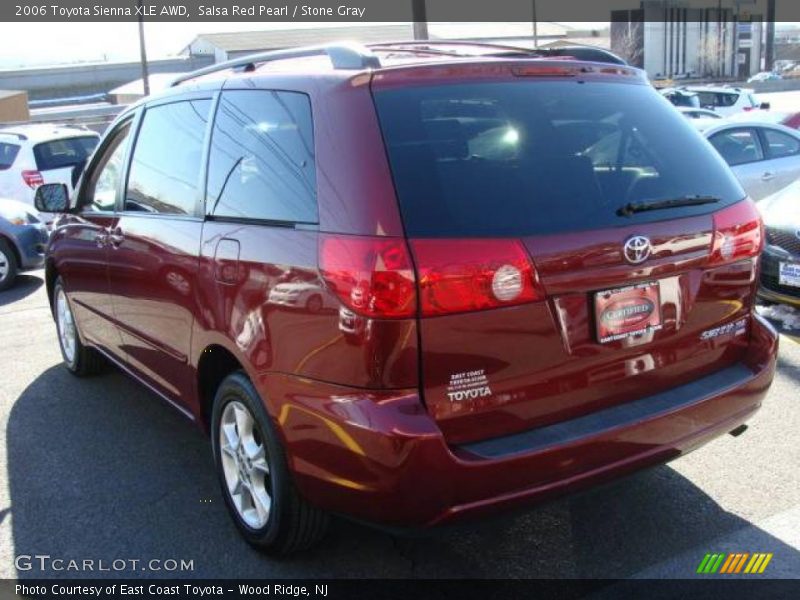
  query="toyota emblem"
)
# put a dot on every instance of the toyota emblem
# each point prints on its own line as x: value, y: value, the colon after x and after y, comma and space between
x: 637, y: 249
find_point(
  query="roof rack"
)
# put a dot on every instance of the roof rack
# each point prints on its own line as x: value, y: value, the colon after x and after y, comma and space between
x: 342, y: 55
x: 20, y: 136
x: 432, y: 44
x: 494, y: 50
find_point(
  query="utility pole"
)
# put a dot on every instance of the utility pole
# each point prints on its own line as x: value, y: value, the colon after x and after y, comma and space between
x: 143, y: 52
x: 420, y: 18
x: 535, y: 28
x: 769, y: 54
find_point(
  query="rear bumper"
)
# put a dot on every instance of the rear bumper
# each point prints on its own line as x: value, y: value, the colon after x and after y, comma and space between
x: 773, y: 296
x: 381, y: 458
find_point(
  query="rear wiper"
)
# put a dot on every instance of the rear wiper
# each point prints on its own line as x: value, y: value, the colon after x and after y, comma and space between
x: 631, y: 208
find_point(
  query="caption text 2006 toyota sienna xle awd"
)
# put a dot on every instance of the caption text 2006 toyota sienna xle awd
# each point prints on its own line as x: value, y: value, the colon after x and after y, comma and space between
x: 414, y: 286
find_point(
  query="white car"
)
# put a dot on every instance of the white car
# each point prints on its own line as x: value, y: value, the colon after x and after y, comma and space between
x: 726, y: 101
x: 301, y: 294
x: 697, y: 113
x: 31, y: 155
x: 765, y: 157
x: 700, y: 118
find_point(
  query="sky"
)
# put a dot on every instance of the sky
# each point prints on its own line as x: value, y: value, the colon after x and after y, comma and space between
x: 34, y: 44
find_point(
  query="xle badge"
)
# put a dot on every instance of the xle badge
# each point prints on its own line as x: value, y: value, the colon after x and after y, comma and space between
x: 468, y: 385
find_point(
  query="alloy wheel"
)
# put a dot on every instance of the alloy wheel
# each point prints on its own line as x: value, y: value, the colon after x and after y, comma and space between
x: 4, y: 265
x: 66, y: 326
x: 245, y: 465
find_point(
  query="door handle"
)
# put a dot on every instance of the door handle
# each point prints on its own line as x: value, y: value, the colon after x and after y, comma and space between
x: 115, y: 237
x: 767, y: 176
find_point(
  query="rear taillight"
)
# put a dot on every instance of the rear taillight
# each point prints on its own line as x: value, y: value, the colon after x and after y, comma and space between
x: 372, y: 276
x: 467, y: 275
x: 32, y: 179
x: 738, y: 233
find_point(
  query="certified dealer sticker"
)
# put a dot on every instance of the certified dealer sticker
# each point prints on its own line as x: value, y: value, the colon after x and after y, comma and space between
x: 468, y: 385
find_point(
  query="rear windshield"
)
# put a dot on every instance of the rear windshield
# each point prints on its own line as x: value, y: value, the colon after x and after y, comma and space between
x: 715, y: 99
x: 540, y: 157
x: 67, y: 152
x: 8, y: 154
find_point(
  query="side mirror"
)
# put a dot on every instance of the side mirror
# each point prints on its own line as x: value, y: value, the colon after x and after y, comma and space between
x: 52, y: 198
x: 765, y: 106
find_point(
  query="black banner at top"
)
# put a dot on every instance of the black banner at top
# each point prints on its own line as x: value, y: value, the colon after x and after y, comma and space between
x: 395, y: 10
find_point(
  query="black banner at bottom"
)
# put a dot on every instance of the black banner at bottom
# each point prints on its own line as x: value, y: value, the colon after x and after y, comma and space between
x: 410, y: 589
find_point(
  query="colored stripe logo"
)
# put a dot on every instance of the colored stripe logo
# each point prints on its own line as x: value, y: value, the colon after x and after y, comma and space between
x: 733, y: 563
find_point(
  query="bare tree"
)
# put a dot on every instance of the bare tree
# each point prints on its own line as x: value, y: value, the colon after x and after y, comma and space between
x: 709, y: 54
x: 627, y: 43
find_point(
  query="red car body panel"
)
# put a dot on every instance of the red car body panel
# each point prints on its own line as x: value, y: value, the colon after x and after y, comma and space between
x: 382, y: 458
x: 362, y: 403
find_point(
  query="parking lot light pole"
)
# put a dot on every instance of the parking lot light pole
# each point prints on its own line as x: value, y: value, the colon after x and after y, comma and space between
x: 420, y: 19
x: 143, y: 52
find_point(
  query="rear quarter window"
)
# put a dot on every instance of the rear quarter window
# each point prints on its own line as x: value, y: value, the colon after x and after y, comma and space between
x: 61, y: 153
x: 521, y: 158
x: 780, y: 144
x: 8, y: 154
x: 737, y: 146
x: 261, y: 164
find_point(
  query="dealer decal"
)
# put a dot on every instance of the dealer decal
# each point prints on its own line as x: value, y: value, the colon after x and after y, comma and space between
x: 735, y: 328
x: 468, y: 385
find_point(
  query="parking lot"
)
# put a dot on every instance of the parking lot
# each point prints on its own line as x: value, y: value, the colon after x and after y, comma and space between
x: 102, y: 469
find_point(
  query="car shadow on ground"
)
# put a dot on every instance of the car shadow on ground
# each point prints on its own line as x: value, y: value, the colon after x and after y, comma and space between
x: 24, y: 286
x: 101, y: 469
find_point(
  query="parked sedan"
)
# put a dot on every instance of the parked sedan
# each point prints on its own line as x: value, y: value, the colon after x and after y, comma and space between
x: 764, y: 156
x: 302, y: 294
x: 23, y: 238
x: 789, y: 119
x: 780, y: 262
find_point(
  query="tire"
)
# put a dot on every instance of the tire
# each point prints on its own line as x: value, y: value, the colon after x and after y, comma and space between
x: 252, y: 453
x: 314, y: 303
x: 8, y: 266
x: 80, y: 360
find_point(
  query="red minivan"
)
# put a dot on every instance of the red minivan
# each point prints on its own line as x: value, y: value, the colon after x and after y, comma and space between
x: 413, y: 284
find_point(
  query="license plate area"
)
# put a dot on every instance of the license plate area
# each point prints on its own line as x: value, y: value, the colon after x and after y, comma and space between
x: 628, y: 311
x: 789, y: 274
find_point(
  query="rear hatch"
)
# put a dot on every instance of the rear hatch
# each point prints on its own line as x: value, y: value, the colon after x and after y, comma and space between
x: 553, y: 279
x: 55, y: 159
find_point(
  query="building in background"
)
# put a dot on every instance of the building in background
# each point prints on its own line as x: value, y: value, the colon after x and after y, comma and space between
x: 13, y: 106
x: 692, y: 38
x: 230, y: 45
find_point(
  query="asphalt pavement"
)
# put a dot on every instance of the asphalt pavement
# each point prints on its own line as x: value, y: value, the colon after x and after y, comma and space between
x: 100, y: 469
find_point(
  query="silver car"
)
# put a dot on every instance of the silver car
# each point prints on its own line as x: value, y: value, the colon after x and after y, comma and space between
x: 764, y: 156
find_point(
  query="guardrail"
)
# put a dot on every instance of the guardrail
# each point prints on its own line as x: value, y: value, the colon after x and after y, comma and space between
x: 96, y: 117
